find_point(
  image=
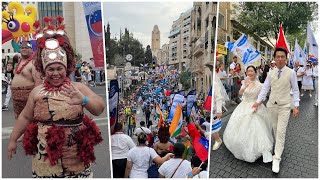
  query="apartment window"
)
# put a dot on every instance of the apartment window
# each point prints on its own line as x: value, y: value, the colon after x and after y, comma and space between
x: 2, y: 50
x: 221, y: 21
x: 8, y: 50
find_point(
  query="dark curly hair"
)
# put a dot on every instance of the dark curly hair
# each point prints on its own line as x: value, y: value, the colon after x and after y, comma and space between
x: 163, y: 133
x: 66, y: 46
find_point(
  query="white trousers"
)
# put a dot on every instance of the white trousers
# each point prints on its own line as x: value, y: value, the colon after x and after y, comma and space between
x: 280, y: 117
x: 8, y: 96
x: 316, y: 93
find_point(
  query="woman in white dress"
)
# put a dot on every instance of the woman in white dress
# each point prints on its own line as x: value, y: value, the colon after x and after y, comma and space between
x: 307, y: 83
x: 248, y: 134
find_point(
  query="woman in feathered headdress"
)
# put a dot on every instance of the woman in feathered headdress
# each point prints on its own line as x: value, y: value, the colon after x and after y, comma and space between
x: 57, y: 134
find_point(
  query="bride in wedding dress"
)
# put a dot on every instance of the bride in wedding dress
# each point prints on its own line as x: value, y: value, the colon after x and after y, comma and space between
x: 248, y: 134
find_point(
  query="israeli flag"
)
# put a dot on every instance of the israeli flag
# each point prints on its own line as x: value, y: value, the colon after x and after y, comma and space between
x: 245, y: 50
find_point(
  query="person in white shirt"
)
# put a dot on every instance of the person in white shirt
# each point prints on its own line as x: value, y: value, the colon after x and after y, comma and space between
x: 315, y: 76
x: 300, y: 72
x: 120, y: 146
x: 233, y: 64
x: 175, y: 167
x: 273, y: 65
x: 195, y: 163
x: 307, y: 82
x: 139, y: 158
x: 281, y: 81
x: 141, y: 129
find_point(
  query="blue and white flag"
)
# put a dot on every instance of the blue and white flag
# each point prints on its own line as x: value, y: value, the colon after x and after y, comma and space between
x: 193, y: 114
x: 305, y: 48
x: 313, y: 45
x: 191, y: 98
x: 113, y: 103
x: 228, y: 45
x: 245, y: 50
x: 291, y: 64
x: 178, y: 98
x: 299, y: 55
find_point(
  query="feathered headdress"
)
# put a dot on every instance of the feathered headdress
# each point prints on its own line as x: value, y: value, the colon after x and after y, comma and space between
x: 48, y: 43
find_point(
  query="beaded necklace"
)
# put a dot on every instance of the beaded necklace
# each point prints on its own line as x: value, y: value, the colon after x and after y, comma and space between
x: 17, y: 70
x: 48, y: 89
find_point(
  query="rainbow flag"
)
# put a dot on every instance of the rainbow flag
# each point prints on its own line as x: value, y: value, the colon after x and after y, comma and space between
x: 176, y: 123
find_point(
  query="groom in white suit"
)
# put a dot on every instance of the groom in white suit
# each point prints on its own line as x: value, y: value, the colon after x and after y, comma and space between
x: 281, y: 80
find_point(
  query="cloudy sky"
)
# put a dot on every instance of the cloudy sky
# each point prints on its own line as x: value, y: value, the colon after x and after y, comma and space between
x: 140, y: 17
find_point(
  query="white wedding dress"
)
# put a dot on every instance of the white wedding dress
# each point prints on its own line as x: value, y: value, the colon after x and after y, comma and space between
x: 248, y: 134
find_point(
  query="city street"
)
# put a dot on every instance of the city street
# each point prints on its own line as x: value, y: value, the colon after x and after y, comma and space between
x: 139, y: 117
x: 20, y: 165
x: 299, y: 159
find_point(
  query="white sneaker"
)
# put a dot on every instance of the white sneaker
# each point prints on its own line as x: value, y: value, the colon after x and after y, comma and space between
x: 310, y: 95
x: 301, y: 95
x: 216, y: 145
x: 315, y: 104
x: 276, y: 165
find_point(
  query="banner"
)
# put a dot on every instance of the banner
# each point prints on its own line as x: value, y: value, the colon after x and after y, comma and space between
x: 299, y: 55
x: 93, y: 15
x: 113, y: 103
x: 191, y: 98
x: 178, y: 98
x: 313, y: 45
x: 245, y: 50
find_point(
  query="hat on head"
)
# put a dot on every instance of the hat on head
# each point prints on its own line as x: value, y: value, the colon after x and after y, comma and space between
x: 273, y: 62
x: 26, y: 44
x: 50, y: 40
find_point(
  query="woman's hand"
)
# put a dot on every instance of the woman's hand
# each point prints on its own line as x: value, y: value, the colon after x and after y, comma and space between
x: 76, y: 97
x: 12, y: 148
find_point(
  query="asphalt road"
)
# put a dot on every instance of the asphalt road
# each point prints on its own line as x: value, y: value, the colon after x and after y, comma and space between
x: 20, y: 165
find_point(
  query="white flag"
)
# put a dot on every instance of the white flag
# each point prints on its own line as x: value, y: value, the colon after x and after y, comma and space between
x: 313, y: 46
x: 299, y: 55
x: 245, y: 50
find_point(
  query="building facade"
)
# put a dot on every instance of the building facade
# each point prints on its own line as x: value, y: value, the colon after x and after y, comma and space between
x: 163, y: 55
x: 203, y: 43
x: 179, y: 44
x: 230, y: 30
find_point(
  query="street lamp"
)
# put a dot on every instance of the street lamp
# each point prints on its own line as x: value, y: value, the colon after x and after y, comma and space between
x: 144, y: 68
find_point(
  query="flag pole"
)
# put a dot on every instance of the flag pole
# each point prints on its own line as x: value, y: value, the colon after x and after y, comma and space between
x: 200, y: 165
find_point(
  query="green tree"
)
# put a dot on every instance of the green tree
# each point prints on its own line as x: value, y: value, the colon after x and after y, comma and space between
x: 127, y: 44
x: 107, y: 43
x: 264, y: 18
x: 185, y: 79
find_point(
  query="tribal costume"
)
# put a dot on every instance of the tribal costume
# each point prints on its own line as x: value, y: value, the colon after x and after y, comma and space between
x: 20, y: 97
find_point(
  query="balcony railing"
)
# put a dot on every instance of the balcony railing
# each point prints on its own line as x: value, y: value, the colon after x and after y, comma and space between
x: 199, y: 46
x: 174, y: 32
